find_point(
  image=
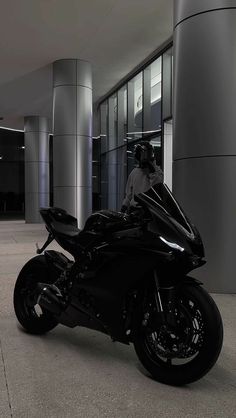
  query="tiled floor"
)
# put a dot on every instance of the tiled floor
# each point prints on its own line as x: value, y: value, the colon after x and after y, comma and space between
x: 72, y: 373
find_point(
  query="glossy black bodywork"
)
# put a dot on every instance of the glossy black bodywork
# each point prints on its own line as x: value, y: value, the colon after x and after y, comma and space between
x: 116, y: 256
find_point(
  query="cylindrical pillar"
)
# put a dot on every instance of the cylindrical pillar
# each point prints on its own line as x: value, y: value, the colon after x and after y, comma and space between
x: 204, y: 154
x: 36, y: 167
x: 72, y: 137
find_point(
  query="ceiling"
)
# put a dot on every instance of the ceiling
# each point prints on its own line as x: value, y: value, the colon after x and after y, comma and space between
x: 114, y: 35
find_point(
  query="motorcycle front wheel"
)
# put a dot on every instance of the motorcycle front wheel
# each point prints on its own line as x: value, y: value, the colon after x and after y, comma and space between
x: 183, y: 352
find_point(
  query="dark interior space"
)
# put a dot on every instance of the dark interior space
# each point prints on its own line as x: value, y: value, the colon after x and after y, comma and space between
x: 11, y: 174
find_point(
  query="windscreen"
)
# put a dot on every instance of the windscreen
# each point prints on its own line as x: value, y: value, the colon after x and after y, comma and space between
x: 160, y: 198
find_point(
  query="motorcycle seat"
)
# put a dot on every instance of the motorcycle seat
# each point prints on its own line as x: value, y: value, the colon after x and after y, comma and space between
x: 66, y: 230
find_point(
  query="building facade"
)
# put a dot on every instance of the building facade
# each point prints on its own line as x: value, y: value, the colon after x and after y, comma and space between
x: 139, y: 109
x: 182, y: 100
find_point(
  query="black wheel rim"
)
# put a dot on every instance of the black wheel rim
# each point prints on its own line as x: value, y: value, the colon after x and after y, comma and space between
x: 168, y: 346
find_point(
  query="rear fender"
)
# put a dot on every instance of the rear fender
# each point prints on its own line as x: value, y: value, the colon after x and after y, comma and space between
x: 192, y: 280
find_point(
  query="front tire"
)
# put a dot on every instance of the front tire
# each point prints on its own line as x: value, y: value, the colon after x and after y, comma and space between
x: 183, y: 356
x: 33, y: 318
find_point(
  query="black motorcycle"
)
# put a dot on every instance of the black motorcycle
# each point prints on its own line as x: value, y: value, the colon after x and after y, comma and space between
x: 129, y: 279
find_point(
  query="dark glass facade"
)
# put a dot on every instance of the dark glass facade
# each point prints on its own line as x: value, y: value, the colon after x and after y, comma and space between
x: 12, y: 182
x: 137, y: 111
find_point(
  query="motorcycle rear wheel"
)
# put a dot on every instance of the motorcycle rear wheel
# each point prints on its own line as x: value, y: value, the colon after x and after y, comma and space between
x: 202, y: 329
x: 33, y: 319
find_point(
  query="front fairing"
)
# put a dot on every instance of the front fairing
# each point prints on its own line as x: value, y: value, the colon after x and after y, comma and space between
x: 169, y: 223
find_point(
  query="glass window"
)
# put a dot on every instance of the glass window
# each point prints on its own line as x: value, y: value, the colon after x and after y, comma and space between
x: 109, y: 180
x: 167, y: 83
x: 135, y: 112
x: 156, y: 143
x: 112, y: 122
x: 51, y: 170
x: 152, y: 97
x: 122, y: 116
x: 112, y: 179
x: 104, y: 126
x: 135, y: 106
x: 104, y: 182
x: 121, y: 174
x: 131, y: 162
x: 168, y: 153
x: 96, y: 174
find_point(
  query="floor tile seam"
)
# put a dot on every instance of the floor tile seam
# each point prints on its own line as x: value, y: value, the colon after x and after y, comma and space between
x: 6, y: 382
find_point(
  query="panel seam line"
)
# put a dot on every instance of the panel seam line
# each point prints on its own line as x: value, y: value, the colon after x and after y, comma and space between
x: 203, y: 12
x: 205, y: 156
x: 73, y: 85
x: 75, y: 135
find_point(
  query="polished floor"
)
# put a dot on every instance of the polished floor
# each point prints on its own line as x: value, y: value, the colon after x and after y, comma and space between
x: 71, y: 373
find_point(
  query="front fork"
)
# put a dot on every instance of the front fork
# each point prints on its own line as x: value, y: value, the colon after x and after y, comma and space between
x: 165, y: 300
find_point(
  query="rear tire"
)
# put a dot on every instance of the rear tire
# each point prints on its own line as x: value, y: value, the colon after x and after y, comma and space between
x: 35, y: 271
x: 207, y: 323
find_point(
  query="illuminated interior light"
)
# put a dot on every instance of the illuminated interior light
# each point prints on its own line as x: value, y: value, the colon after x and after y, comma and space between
x: 99, y: 136
x: 143, y: 132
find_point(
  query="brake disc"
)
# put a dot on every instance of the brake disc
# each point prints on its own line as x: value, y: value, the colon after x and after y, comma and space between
x: 183, y: 342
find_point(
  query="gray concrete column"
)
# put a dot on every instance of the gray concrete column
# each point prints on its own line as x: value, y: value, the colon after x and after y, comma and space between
x: 36, y: 167
x: 72, y: 137
x: 204, y: 168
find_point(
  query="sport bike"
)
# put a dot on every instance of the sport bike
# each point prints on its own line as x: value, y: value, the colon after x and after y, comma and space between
x: 128, y: 279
